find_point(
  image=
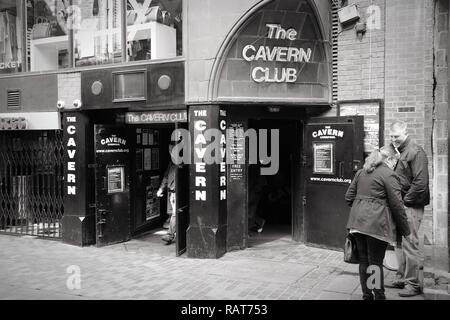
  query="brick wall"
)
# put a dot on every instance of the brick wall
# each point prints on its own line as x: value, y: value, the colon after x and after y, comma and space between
x: 393, y: 61
x: 361, y: 61
x: 409, y: 77
x: 440, y: 128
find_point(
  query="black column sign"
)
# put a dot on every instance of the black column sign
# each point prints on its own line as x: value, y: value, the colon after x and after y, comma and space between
x: 78, y: 226
x: 206, y: 235
x: 71, y: 149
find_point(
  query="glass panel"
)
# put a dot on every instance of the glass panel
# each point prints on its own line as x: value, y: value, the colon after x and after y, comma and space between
x: 47, y: 34
x: 11, y: 42
x: 129, y: 86
x: 97, y: 35
x: 154, y: 29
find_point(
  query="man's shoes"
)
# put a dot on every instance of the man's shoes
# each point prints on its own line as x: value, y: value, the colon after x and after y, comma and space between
x: 166, y: 224
x: 395, y: 285
x: 409, y: 292
x: 168, y: 239
x: 261, y: 227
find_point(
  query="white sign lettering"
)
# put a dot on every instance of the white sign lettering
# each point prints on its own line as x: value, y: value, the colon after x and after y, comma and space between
x: 71, y: 165
x: 113, y: 141
x: 10, y: 65
x: 328, y: 133
x: 259, y: 74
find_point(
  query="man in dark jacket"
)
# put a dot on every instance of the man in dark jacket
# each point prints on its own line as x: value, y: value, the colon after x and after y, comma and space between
x: 412, y: 168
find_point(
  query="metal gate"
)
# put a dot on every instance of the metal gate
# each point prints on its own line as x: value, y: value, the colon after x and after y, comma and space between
x: 31, y: 183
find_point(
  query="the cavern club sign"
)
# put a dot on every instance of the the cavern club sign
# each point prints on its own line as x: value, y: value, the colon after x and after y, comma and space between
x: 327, y: 133
x: 275, y: 53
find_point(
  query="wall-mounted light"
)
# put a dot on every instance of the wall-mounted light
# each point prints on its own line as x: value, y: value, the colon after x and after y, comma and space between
x: 348, y: 14
x: 61, y: 104
x: 76, y: 104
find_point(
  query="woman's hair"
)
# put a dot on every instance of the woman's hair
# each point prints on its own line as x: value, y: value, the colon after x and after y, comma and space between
x: 377, y: 157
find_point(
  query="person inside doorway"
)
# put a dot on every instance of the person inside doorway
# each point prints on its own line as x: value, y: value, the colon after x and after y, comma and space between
x: 169, y: 184
x: 258, y: 191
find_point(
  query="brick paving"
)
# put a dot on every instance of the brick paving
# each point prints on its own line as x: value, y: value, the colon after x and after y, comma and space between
x: 272, y: 268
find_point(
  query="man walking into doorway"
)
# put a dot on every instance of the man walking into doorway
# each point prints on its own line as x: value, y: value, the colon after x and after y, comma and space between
x: 169, y: 183
x: 412, y: 167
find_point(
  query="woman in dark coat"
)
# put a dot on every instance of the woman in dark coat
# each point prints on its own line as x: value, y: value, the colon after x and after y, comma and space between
x: 377, y: 216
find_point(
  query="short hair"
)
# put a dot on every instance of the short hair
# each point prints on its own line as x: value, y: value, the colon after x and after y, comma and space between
x: 399, y: 125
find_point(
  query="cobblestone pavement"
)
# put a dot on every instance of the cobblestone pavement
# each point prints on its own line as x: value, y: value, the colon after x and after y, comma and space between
x: 271, y: 268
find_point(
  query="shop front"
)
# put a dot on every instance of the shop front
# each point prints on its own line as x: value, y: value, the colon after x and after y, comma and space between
x: 287, y: 166
x: 118, y: 152
x: 31, y: 157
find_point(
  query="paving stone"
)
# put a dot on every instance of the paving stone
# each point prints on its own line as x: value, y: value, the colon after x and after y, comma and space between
x: 334, y: 296
x: 343, y: 284
x: 279, y: 269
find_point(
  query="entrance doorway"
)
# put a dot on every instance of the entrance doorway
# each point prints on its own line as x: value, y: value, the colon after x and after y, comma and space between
x: 131, y: 163
x: 150, y: 163
x: 270, y: 197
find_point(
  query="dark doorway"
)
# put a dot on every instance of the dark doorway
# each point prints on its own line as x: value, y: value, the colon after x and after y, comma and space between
x: 270, y: 197
x: 150, y: 159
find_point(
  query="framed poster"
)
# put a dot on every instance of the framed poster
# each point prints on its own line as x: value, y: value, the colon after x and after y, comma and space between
x: 152, y: 202
x: 138, y: 136
x: 150, y: 137
x: 145, y: 137
x: 139, y: 160
x: 147, y: 159
x: 156, y: 137
x: 155, y: 159
x: 323, y: 153
x: 237, y: 153
x: 372, y: 110
x: 116, y: 179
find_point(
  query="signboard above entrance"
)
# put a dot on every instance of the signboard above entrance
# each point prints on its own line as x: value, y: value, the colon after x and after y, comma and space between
x: 279, y: 54
x: 153, y: 117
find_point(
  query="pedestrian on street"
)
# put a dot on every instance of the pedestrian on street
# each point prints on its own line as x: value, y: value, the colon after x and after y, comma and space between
x: 412, y: 168
x: 168, y: 184
x: 377, y: 216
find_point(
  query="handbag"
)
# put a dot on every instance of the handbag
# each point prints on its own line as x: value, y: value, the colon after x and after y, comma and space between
x: 41, y: 29
x: 350, y: 250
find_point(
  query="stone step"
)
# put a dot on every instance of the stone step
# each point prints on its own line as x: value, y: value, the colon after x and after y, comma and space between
x: 436, y: 294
